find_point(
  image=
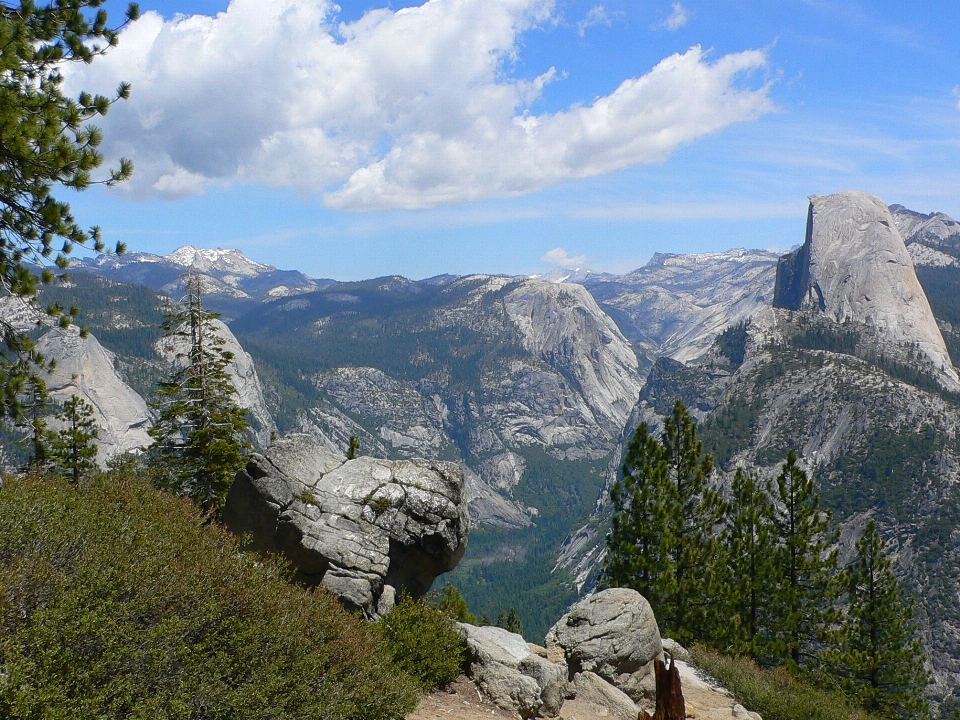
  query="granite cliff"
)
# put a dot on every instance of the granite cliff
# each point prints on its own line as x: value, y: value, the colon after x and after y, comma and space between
x: 854, y: 267
x: 86, y: 369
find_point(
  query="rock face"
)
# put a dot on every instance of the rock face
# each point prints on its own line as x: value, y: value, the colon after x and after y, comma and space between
x: 562, y: 324
x: 613, y: 634
x: 84, y: 368
x: 242, y: 372
x: 489, y: 507
x: 501, y: 664
x: 362, y: 528
x: 855, y: 267
x: 676, y: 305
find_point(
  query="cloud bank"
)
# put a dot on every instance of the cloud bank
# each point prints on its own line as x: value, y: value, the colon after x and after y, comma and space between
x: 411, y: 108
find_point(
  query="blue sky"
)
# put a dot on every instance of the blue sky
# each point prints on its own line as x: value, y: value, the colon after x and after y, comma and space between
x: 510, y: 135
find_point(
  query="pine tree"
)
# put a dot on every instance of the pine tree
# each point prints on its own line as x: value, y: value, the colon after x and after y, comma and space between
x: 662, y: 538
x: 513, y: 622
x: 354, y: 447
x: 637, y: 545
x: 200, y: 433
x: 46, y: 141
x: 748, y: 542
x: 510, y: 621
x: 33, y: 422
x: 806, y: 567
x: 696, y: 511
x: 452, y: 602
x: 74, y: 452
x: 880, y: 656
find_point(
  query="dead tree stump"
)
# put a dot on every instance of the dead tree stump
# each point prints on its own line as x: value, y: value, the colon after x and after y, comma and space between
x: 670, y: 704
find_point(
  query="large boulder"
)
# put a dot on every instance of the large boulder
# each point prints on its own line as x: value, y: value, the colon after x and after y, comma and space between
x: 613, y: 634
x: 509, y: 673
x: 593, y: 689
x: 363, y: 528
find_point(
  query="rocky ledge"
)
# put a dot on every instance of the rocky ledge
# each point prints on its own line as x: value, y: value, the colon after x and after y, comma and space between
x: 363, y: 528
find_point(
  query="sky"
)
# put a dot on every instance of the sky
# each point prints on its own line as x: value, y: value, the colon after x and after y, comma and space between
x: 514, y: 136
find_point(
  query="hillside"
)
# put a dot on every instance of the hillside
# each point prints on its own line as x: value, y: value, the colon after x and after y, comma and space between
x: 121, y: 601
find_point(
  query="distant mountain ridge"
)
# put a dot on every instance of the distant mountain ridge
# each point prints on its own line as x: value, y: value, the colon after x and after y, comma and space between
x: 233, y: 283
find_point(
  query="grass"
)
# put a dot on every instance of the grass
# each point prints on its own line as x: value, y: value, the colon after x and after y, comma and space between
x: 774, y: 693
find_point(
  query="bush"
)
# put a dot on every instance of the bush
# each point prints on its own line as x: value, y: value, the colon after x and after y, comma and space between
x: 774, y: 693
x: 117, y: 600
x: 423, y: 641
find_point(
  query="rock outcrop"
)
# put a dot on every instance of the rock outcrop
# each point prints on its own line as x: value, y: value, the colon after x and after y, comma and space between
x: 613, y: 634
x: 855, y: 267
x: 592, y: 688
x: 563, y: 325
x: 502, y: 665
x: 242, y: 372
x: 363, y: 528
x: 85, y: 368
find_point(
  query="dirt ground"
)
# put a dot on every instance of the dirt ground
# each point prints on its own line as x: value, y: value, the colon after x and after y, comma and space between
x: 462, y: 701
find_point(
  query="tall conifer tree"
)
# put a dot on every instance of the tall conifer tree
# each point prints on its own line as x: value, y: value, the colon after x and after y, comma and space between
x: 662, y: 540
x: 880, y: 656
x: 200, y: 433
x: 807, y: 569
x: 695, y: 512
x: 33, y: 407
x: 74, y: 450
x: 750, y: 553
x: 637, y: 544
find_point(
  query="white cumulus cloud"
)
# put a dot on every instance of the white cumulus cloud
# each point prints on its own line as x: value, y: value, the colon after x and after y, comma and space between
x: 677, y: 19
x: 406, y: 108
x: 561, y: 258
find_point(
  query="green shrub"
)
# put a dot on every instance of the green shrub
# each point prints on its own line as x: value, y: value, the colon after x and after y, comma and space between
x: 423, y: 641
x: 117, y: 600
x: 774, y: 693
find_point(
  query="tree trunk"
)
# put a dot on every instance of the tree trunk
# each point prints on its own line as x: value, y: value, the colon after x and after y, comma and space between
x: 670, y: 704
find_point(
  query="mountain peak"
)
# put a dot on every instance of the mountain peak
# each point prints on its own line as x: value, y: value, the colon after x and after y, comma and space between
x: 222, y: 259
x: 854, y: 266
